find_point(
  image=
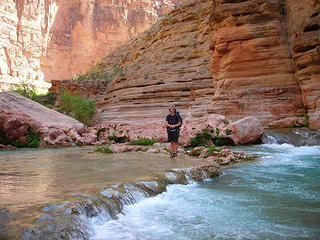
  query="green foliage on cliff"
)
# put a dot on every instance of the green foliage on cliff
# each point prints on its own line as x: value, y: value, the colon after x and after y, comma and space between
x: 77, y: 107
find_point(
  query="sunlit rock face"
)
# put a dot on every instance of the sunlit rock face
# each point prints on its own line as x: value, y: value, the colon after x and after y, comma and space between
x: 47, y: 39
x: 85, y: 31
x: 24, y: 37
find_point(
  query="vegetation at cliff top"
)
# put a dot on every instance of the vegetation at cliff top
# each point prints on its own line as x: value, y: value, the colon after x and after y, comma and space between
x: 27, y: 90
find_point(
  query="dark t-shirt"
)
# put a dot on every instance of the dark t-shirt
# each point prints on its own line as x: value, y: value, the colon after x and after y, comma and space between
x: 173, y: 120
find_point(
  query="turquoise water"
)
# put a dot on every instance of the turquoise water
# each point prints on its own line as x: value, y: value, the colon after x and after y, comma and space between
x: 275, y: 198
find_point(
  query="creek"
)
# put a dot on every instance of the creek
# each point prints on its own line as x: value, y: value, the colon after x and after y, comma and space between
x: 55, y: 193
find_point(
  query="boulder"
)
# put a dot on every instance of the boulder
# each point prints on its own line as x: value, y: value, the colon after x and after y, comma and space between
x: 203, y: 172
x: 246, y: 130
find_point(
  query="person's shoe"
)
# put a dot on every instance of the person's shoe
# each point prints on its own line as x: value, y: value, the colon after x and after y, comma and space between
x: 171, y: 155
x: 175, y: 155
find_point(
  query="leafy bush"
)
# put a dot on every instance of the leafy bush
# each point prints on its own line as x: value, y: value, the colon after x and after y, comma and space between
x: 116, y: 139
x: 33, y: 140
x: 143, y: 141
x: 210, y: 151
x: 228, y: 132
x: 195, y: 152
x: 77, y: 107
x: 201, y: 139
x: 103, y: 149
x: 27, y: 90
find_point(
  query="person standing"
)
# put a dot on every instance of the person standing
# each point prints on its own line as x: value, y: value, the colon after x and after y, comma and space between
x: 173, y: 124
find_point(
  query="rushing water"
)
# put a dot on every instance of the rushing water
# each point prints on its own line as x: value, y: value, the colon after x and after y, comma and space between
x: 275, y: 198
x: 34, y: 182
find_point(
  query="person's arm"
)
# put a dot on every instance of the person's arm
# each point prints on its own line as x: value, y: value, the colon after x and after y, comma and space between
x: 176, y: 125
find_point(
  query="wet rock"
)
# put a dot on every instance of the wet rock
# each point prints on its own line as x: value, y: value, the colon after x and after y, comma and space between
x: 203, y: 172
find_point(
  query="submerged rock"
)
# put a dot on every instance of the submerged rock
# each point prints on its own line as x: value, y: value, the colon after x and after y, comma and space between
x: 203, y: 172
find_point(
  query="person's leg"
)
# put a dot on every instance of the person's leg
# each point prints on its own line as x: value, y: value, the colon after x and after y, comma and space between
x: 176, y: 148
x: 172, y: 147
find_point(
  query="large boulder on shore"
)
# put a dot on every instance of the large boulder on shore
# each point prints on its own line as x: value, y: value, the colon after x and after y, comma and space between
x: 20, y: 115
x: 246, y: 130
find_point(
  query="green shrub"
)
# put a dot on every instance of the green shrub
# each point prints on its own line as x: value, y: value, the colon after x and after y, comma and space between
x: 116, y: 139
x: 78, y: 107
x: 143, y: 141
x: 103, y: 149
x: 201, y: 139
x: 228, y: 132
x: 27, y: 90
x: 195, y: 152
x: 33, y: 139
x: 210, y: 151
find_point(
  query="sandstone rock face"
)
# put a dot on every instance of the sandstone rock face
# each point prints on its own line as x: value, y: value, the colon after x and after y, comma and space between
x: 251, y: 70
x: 251, y: 61
x: 303, y: 21
x: 167, y: 64
x: 85, y: 31
x: 51, y: 39
x: 24, y: 36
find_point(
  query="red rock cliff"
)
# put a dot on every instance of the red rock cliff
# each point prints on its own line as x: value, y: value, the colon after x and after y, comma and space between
x: 47, y: 39
x: 254, y: 64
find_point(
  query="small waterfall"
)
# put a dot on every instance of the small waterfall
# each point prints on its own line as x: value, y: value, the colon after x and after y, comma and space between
x: 297, y: 137
x: 268, y: 139
x: 74, y: 221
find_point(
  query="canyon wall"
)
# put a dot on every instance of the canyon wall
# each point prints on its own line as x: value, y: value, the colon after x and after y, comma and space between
x: 85, y: 31
x: 56, y: 39
x: 303, y: 21
x: 252, y: 62
x: 24, y: 28
x: 167, y: 64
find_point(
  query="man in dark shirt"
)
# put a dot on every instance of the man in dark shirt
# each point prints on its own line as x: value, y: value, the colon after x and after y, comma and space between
x: 173, y: 123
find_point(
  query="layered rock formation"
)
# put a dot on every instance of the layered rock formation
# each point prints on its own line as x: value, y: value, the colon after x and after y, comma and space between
x: 48, y: 39
x: 252, y: 68
x: 167, y: 64
x: 251, y: 61
x: 85, y: 31
x: 24, y: 28
x: 303, y: 21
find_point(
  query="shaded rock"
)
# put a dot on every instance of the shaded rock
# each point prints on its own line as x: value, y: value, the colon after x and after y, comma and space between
x: 203, y: 172
x: 90, y: 138
x: 246, y: 130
